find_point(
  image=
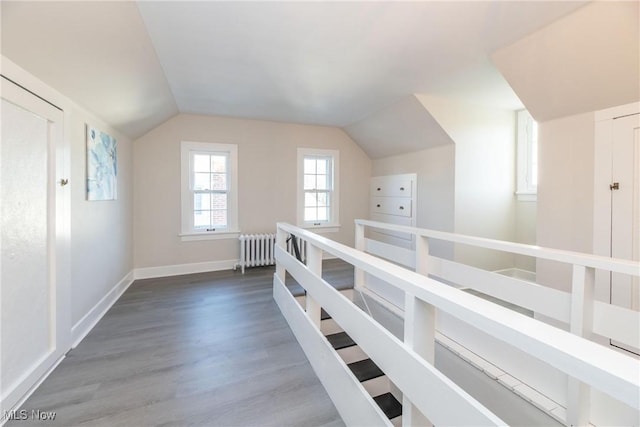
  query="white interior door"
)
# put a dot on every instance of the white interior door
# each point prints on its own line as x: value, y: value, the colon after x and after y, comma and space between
x: 34, y: 302
x: 625, y: 210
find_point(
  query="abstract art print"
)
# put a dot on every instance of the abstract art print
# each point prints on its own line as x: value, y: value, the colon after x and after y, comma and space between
x: 102, y: 165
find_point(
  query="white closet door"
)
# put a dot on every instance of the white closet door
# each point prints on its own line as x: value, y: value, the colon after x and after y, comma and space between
x: 34, y: 304
x: 625, y: 210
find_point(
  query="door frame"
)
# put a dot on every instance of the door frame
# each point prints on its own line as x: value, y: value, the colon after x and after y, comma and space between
x: 603, y: 174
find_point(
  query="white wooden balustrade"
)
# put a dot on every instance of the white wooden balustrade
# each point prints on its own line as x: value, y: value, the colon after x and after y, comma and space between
x: 409, y: 363
x: 578, y: 308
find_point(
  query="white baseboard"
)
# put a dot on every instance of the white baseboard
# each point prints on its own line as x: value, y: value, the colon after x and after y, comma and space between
x: 178, y: 269
x: 86, y: 324
x: 4, y: 416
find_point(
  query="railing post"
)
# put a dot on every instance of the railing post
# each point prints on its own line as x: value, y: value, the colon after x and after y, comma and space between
x: 358, y: 279
x: 419, y: 331
x: 314, y: 263
x: 281, y: 242
x: 582, y: 297
x: 422, y: 255
x: 419, y: 335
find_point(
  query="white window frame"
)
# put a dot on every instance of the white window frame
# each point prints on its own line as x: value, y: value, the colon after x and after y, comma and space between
x: 188, y: 232
x: 526, y: 189
x: 334, y: 214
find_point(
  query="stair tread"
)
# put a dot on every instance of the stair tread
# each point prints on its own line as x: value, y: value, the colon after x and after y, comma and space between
x: 365, y: 370
x: 324, y: 315
x: 340, y: 340
x: 389, y: 405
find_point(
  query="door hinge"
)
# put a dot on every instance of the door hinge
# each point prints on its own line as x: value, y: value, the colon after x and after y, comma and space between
x: 614, y: 186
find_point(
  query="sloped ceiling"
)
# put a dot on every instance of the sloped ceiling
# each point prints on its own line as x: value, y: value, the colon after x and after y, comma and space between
x: 586, y: 61
x: 97, y: 53
x: 332, y: 63
x: 403, y: 127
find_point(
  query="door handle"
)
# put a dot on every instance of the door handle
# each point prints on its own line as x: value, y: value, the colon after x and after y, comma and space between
x: 63, y: 182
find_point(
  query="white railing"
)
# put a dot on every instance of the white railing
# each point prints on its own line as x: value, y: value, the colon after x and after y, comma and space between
x: 409, y: 363
x: 578, y: 308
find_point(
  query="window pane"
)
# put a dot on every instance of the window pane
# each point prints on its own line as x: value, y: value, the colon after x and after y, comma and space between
x: 201, y: 219
x: 201, y: 201
x: 309, y: 165
x: 322, y: 182
x: 219, y: 218
x: 218, y: 201
x: 218, y: 181
x: 310, y: 214
x: 310, y: 199
x: 534, y: 156
x: 309, y: 182
x: 219, y: 163
x: 200, y: 163
x: 322, y: 199
x: 323, y: 214
x: 201, y: 181
x: 323, y: 166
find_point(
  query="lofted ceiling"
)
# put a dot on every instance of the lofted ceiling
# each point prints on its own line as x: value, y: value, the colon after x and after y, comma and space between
x: 97, y: 53
x: 136, y: 64
x: 585, y: 61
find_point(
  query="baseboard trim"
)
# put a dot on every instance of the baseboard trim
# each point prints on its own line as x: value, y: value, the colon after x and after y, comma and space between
x: 179, y: 269
x: 4, y: 416
x: 81, y: 329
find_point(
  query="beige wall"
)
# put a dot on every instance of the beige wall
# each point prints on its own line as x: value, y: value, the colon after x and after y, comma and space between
x: 565, y: 192
x: 101, y: 231
x: 101, y: 239
x: 267, y: 153
x: 435, y: 171
x: 484, y: 175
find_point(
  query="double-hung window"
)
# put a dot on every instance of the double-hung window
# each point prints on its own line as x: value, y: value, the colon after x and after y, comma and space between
x: 318, y: 187
x: 209, y: 190
x: 527, y: 157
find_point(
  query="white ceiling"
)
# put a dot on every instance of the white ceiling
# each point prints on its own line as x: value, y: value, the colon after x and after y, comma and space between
x: 403, y: 127
x: 586, y: 61
x: 331, y: 63
x: 334, y: 63
x: 97, y: 53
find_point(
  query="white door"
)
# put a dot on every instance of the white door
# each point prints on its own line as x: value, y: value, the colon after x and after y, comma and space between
x: 625, y: 210
x: 35, y: 327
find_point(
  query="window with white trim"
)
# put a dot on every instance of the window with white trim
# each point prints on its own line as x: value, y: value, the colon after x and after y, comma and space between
x: 209, y: 190
x: 527, y: 181
x: 318, y: 196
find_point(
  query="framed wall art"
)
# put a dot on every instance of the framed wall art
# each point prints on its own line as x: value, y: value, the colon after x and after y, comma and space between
x: 102, y: 165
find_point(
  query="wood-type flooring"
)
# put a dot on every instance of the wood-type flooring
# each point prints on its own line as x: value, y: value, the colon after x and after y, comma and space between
x: 208, y: 349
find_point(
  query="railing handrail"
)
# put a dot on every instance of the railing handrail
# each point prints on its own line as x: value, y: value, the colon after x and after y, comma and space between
x: 603, y: 368
x: 569, y: 257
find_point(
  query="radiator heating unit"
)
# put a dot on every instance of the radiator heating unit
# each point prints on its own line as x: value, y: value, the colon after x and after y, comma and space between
x: 257, y: 250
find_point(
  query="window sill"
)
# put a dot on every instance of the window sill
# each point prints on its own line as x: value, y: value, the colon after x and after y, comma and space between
x: 324, y: 228
x: 211, y: 235
x: 527, y: 196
